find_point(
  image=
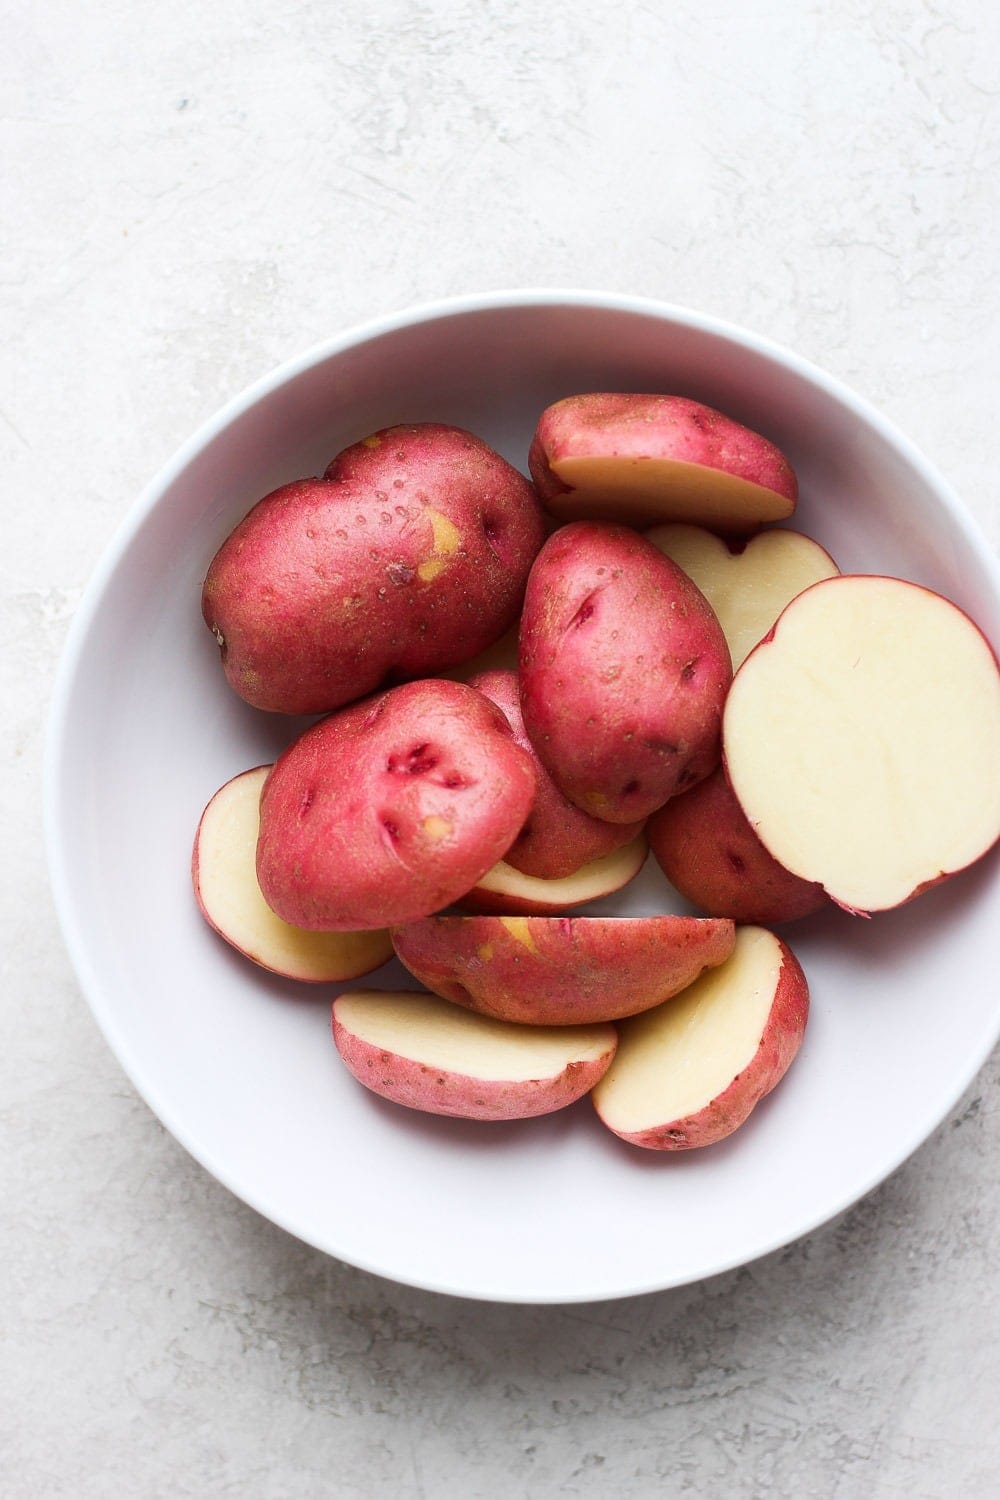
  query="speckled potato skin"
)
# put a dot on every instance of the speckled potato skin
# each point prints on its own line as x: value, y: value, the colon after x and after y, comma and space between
x: 708, y: 850
x: 623, y: 671
x: 625, y: 425
x: 409, y: 556
x: 558, y: 837
x: 438, y: 1092
x: 779, y: 1043
x: 561, y: 971
x: 391, y: 809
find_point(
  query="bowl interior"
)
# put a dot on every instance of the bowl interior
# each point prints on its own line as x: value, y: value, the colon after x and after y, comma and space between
x: 240, y: 1066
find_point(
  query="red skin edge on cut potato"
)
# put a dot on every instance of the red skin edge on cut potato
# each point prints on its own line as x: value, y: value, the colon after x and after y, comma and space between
x: 433, y: 1091
x: 781, y: 1039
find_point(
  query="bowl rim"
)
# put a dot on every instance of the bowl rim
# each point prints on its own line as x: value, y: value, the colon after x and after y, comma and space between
x: 55, y: 751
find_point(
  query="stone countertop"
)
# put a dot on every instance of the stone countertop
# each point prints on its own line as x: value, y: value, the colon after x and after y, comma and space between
x: 194, y: 193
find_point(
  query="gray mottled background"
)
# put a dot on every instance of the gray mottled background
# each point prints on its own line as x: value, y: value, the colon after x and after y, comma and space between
x: 193, y: 192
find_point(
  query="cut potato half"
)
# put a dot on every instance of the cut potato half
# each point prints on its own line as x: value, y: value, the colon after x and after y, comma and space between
x: 690, y: 1072
x: 862, y: 739
x: 223, y: 871
x: 747, y: 589
x: 642, y: 459
x: 507, y: 891
x: 427, y: 1054
x: 561, y: 971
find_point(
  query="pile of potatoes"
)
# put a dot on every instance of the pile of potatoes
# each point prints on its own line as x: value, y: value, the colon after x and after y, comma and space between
x: 528, y: 684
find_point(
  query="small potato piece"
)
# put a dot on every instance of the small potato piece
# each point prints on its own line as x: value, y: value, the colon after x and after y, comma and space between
x: 230, y: 900
x: 561, y: 971
x: 410, y: 556
x: 558, y: 838
x: 391, y: 809
x: 642, y: 459
x: 709, y: 852
x: 623, y: 671
x: 424, y: 1053
x: 748, y: 589
x: 509, y: 892
x: 690, y: 1072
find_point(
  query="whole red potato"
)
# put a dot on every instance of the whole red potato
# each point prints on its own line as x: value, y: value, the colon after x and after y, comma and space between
x: 623, y: 670
x: 408, y: 557
x: 391, y: 809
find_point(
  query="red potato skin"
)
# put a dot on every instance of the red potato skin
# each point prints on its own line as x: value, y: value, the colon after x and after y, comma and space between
x: 707, y: 849
x: 558, y: 838
x: 391, y: 809
x: 417, y: 1086
x: 624, y: 670
x: 622, y: 425
x: 566, y: 971
x: 330, y: 587
x: 781, y: 1040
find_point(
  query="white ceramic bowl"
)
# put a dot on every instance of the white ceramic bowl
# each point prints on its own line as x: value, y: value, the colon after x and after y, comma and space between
x: 240, y: 1066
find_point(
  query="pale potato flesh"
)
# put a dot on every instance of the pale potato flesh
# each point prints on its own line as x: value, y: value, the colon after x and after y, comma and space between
x: 748, y: 589
x: 644, y: 491
x: 598, y: 878
x: 673, y: 1061
x: 863, y: 740
x: 230, y: 897
x: 427, y: 1030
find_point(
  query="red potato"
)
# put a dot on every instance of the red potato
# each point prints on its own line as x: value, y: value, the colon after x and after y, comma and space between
x: 561, y: 971
x: 391, y: 809
x: 229, y: 897
x: 749, y: 588
x: 558, y: 838
x: 623, y: 669
x: 424, y: 1053
x: 862, y: 739
x: 691, y: 1071
x: 709, y: 852
x: 408, y: 557
x: 509, y: 892
x: 641, y: 459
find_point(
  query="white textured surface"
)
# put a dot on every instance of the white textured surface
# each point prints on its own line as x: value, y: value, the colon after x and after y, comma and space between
x: 193, y: 193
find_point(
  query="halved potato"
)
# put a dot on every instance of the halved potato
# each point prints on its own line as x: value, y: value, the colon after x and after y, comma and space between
x: 643, y: 459
x: 691, y: 1071
x: 748, y: 589
x: 510, y: 892
x: 428, y: 1054
x: 561, y: 971
x: 862, y: 739
x: 225, y: 885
